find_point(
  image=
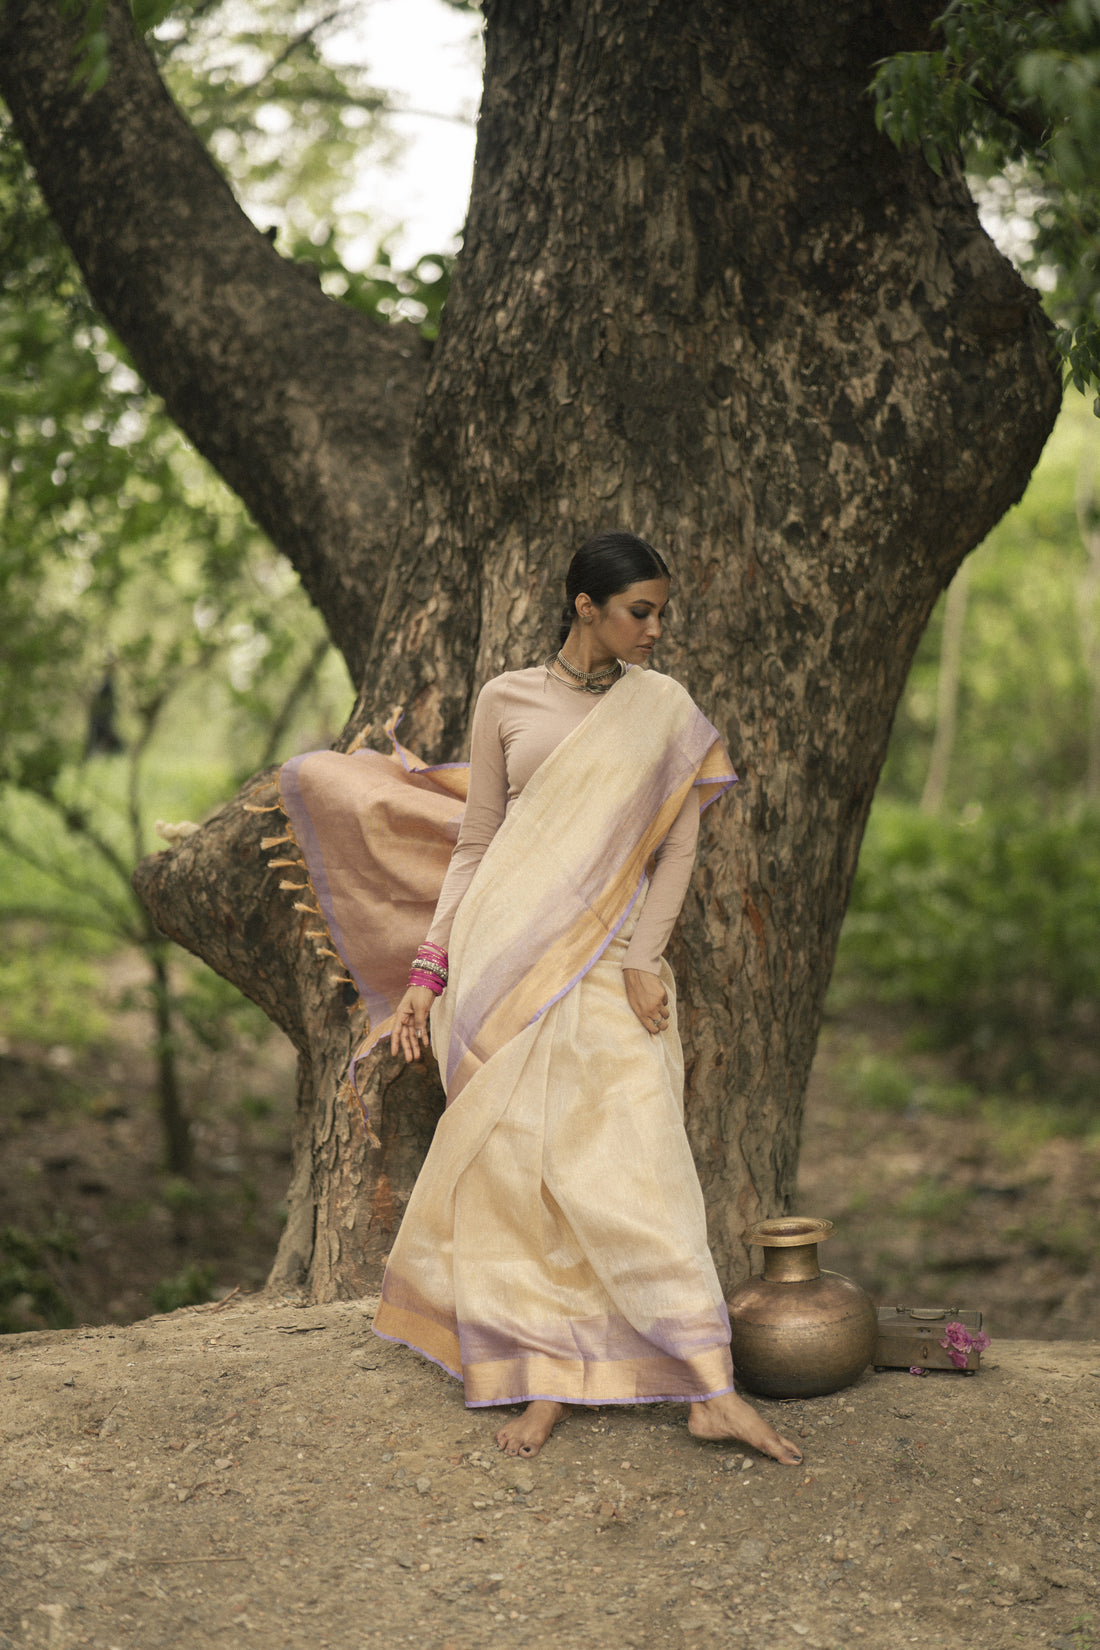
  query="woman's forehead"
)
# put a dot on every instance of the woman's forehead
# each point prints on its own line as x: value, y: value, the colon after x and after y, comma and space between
x: 646, y: 590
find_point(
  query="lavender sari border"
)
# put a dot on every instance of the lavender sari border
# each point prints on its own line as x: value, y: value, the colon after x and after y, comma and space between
x: 399, y: 1340
x: 722, y: 783
x: 427, y: 767
x: 592, y: 961
x: 553, y: 1397
x: 601, y: 1403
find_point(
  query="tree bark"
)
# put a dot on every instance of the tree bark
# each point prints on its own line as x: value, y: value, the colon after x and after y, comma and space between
x: 699, y: 297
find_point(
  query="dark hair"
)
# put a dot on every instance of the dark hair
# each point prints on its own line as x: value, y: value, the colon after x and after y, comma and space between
x: 603, y: 566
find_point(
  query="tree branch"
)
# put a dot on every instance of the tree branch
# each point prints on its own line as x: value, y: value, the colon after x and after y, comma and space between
x: 292, y: 45
x: 303, y: 405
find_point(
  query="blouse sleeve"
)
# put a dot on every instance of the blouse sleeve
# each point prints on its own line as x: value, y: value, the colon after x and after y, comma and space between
x: 486, y: 802
x: 675, y: 859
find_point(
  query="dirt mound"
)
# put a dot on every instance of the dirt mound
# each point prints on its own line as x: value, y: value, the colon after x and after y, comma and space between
x: 261, y: 1473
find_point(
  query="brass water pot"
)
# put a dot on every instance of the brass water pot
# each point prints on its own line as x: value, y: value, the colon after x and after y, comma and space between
x: 798, y: 1332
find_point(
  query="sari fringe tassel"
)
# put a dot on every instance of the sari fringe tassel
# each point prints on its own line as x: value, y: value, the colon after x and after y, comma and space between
x: 320, y: 937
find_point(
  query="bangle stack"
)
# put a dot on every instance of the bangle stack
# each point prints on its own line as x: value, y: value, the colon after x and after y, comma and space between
x: 429, y: 968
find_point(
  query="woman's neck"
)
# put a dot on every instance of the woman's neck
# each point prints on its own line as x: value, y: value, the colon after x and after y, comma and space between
x: 579, y: 650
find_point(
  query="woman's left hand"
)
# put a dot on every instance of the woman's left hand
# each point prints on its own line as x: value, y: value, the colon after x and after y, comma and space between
x: 648, y: 998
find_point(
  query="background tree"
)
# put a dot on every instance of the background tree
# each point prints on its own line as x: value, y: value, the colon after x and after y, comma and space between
x: 699, y: 296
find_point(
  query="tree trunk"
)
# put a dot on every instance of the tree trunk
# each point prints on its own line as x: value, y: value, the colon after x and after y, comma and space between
x: 174, y: 1122
x: 701, y: 298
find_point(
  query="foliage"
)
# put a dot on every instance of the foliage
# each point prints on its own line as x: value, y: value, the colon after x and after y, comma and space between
x: 980, y: 919
x: 1024, y: 692
x: 1014, y: 88
x: 51, y: 994
x: 988, y: 927
x: 382, y: 292
x: 289, y: 124
x: 140, y: 605
x: 144, y: 613
x: 191, y: 1287
x: 284, y: 120
x: 30, y: 1297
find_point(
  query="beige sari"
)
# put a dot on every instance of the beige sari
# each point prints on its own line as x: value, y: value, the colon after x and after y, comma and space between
x: 555, y: 1242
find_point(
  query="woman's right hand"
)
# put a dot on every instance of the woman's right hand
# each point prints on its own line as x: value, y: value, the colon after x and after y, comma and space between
x: 410, y: 1024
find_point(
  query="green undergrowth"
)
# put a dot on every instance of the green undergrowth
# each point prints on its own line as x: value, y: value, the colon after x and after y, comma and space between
x: 986, y: 927
x: 30, y: 1295
x: 189, y: 1287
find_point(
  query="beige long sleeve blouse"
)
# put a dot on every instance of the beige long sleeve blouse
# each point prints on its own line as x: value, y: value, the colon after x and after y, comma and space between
x: 520, y: 718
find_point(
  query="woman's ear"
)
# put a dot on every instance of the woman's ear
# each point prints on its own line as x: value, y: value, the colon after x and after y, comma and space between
x: 584, y: 607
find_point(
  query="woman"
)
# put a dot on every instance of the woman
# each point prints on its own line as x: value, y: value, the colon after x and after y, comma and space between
x: 554, y: 1247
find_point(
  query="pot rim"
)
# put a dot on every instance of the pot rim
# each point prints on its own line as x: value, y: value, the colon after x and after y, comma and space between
x: 789, y: 1232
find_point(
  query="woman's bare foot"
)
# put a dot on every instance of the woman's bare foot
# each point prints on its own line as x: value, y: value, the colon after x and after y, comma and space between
x: 529, y: 1431
x: 729, y: 1416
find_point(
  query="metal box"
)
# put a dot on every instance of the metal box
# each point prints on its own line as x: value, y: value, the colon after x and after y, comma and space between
x: 909, y: 1337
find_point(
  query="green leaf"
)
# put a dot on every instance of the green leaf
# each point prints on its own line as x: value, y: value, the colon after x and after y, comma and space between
x: 147, y: 14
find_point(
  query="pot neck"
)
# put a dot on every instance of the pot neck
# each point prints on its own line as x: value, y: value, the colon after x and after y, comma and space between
x: 791, y: 1265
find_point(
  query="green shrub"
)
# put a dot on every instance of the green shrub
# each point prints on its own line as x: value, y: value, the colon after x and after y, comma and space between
x: 30, y: 1297
x: 191, y: 1287
x: 876, y: 1081
x: 988, y: 926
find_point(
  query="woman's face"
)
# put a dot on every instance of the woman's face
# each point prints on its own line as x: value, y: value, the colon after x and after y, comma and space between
x: 628, y: 625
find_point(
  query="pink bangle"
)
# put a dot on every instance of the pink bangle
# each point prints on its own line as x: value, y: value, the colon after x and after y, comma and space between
x: 431, y: 981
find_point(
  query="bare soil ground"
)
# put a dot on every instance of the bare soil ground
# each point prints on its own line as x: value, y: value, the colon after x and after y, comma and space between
x: 264, y: 1473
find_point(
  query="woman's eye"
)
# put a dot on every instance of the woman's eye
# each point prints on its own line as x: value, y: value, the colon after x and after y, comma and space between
x: 644, y: 614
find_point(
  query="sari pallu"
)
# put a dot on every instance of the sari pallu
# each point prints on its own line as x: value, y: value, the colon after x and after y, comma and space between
x: 555, y: 1242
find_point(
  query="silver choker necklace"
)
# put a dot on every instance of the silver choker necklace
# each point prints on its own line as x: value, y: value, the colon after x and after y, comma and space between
x: 586, y: 681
